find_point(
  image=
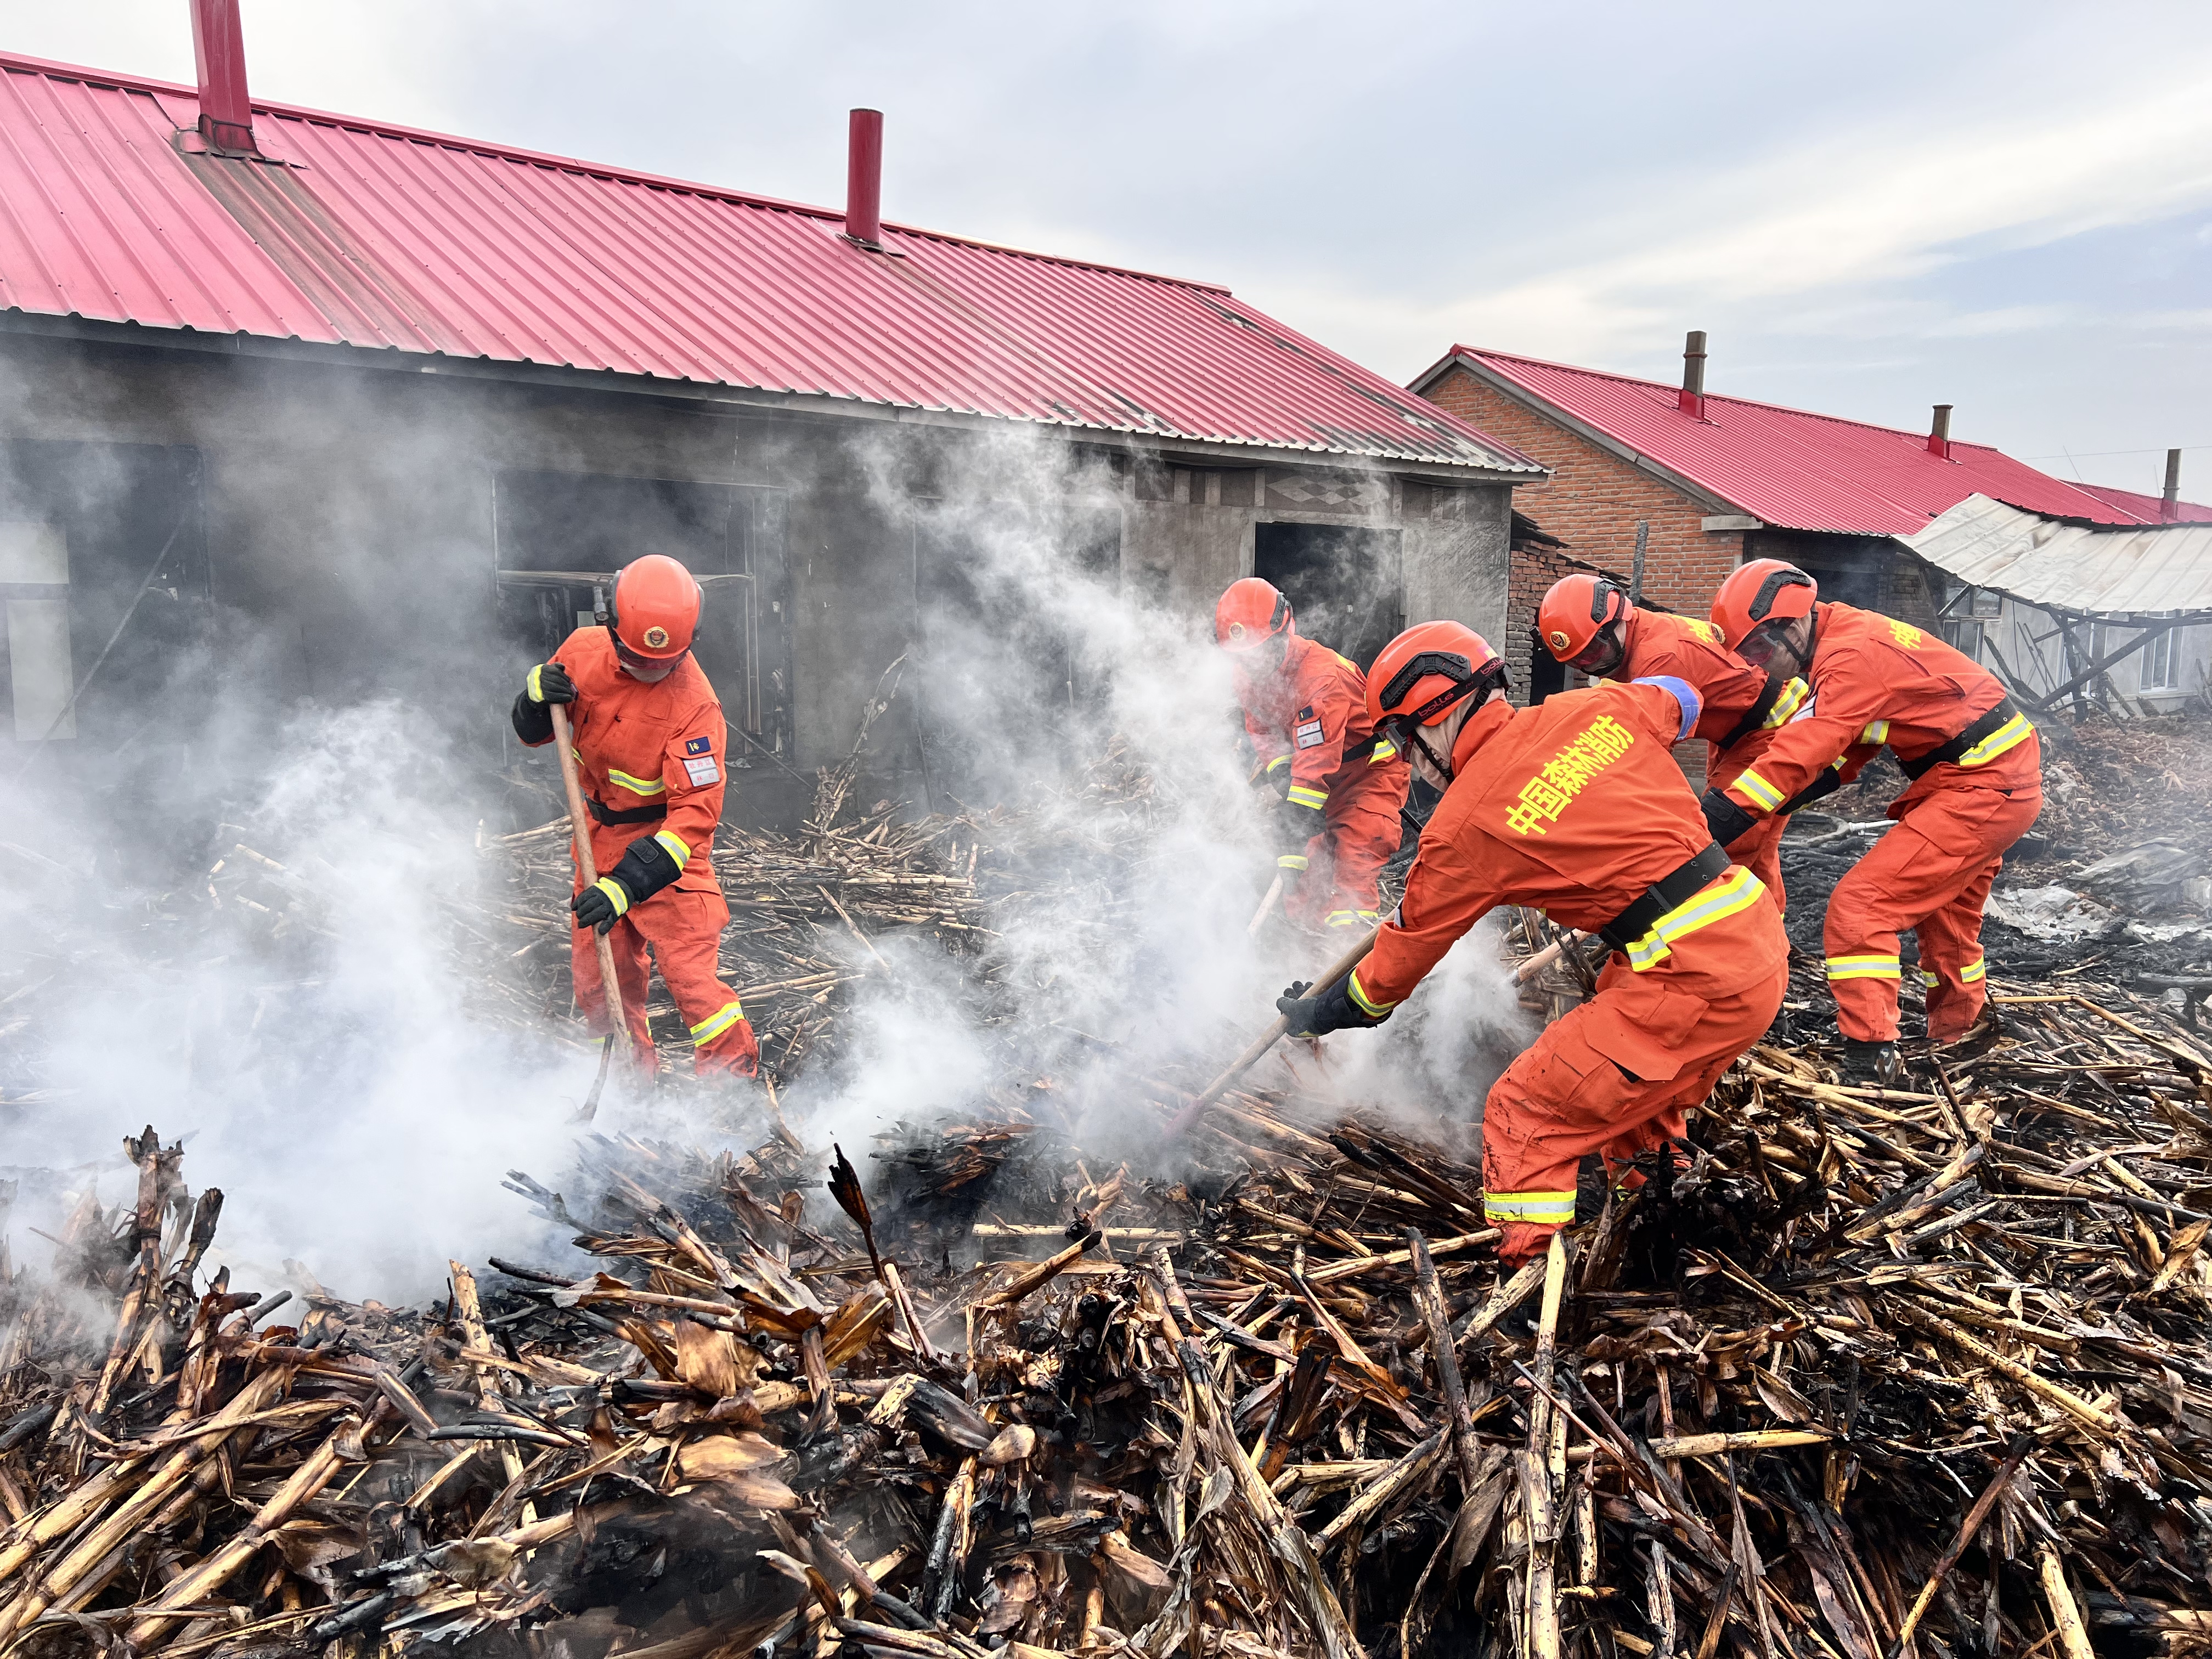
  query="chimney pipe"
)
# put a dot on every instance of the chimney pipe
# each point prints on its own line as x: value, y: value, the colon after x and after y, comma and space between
x: 863, y: 178
x: 2169, y: 502
x: 1939, y: 433
x: 1691, y: 400
x: 219, y: 45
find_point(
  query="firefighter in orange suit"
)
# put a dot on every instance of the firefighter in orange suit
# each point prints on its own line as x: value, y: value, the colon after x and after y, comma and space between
x: 1576, y: 808
x: 648, y: 735
x: 1976, y: 768
x: 1339, y: 789
x: 1587, y: 622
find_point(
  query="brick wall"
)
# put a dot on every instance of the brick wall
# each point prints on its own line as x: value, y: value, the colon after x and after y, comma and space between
x: 1592, y: 503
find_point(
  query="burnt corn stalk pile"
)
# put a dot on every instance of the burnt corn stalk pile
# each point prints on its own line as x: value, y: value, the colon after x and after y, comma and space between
x: 1864, y: 1372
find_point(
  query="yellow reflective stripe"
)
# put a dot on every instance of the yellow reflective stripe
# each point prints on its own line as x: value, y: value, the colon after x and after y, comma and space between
x: 677, y: 848
x: 635, y: 785
x: 1367, y: 1003
x: 1292, y: 861
x: 1555, y: 1207
x: 1786, y: 705
x: 2010, y: 735
x: 615, y: 891
x: 1384, y: 750
x: 1761, y: 793
x: 1302, y: 796
x: 1279, y: 760
x: 1865, y: 968
x: 1340, y: 919
x: 536, y: 686
x: 1877, y: 731
x: 718, y: 1022
x: 1973, y: 971
x: 1931, y: 980
x: 1737, y: 890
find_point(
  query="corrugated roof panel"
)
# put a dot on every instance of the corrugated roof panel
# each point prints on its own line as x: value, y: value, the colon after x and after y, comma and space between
x: 2146, y: 507
x: 2138, y: 570
x: 1789, y: 467
x: 366, y: 235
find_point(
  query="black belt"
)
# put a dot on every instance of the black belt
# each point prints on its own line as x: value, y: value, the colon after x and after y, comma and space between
x: 635, y: 815
x: 1756, y: 716
x: 1667, y: 893
x: 1985, y: 726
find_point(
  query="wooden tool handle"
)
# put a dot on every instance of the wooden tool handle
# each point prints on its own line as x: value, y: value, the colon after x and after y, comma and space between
x: 1267, y: 1039
x: 584, y: 862
x: 1545, y: 957
x: 1274, y: 892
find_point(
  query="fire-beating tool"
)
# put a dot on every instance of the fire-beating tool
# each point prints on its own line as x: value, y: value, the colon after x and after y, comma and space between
x: 1267, y: 1039
x: 587, y: 864
x: 1266, y: 904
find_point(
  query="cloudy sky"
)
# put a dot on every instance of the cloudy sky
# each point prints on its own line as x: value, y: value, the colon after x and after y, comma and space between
x: 1872, y: 208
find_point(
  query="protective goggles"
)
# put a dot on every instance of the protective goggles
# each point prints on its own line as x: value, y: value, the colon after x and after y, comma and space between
x: 1760, y: 645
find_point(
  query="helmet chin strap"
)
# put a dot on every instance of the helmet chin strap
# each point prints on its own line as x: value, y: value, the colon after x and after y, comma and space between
x: 1448, y: 730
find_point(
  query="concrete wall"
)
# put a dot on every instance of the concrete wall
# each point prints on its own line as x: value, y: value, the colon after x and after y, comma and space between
x: 350, y: 518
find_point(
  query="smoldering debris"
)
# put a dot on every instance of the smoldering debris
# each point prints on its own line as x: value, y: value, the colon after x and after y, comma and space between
x: 1869, y: 1371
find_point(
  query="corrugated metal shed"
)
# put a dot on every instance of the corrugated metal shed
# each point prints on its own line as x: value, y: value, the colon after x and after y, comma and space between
x: 1783, y: 466
x: 362, y: 234
x: 2106, y: 572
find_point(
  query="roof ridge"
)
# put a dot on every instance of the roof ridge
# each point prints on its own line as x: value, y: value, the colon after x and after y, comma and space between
x: 22, y: 62
x: 1728, y: 397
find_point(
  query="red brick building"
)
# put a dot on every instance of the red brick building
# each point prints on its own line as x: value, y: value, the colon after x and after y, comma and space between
x: 1717, y: 480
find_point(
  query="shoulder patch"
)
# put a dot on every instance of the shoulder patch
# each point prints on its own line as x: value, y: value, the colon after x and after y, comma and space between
x: 699, y: 746
x: 703, y: 772
x: 1306, y: 713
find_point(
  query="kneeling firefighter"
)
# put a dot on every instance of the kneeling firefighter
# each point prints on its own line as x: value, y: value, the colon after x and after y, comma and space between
x: 648, y: 735
x: 1576, y: 808
x: 1338, y: 786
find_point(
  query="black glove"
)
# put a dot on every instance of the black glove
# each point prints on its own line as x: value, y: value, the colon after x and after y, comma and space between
x: 1724, y: 818
x: 548, y: 682
x: 1278, y: 777
x: 646, y: 867
x: 1334, y: 1010
x: 1827, y: 784
x: 545, y: 684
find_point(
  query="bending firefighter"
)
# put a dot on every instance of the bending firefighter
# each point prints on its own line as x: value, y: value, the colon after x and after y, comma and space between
x: 1587, y: 622
x: 648, y: 737
x: 1339, y: 794
x: 1576, y: 808
x: 1976, y: 772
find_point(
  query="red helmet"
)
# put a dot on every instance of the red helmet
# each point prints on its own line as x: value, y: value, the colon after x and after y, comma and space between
x: 1576, y: 611
x: 1765, y: 589
x: 1420, y: 676
x: 656, y: 608
x: 1249, y: 613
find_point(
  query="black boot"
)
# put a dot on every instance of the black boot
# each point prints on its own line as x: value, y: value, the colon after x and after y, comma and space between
x: 1872, y: 1065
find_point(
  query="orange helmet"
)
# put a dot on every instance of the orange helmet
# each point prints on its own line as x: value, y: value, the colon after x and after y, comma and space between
x: 656, y: 608
x: 1765, y: 589
x: 1249, y: 613
x: 1576, y: 610
x: 1420, y: 676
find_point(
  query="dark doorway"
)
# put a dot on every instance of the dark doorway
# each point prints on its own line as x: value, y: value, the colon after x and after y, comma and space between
x: 561, y: 536
x: 1344, y: 583
x: 1546, y: 673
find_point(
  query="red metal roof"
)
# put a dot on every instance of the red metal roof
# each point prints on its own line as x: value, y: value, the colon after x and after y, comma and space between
x: 2146, y: 507
x: 1785, y: 466
x: 366, y: 234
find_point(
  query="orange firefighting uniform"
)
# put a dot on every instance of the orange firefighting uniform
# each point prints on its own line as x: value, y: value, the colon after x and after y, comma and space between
x: 1577, y: 808
x: 1658, y: 643
x: 1311, y: 717
x: 1878, y: 681
x: 640, y: 748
